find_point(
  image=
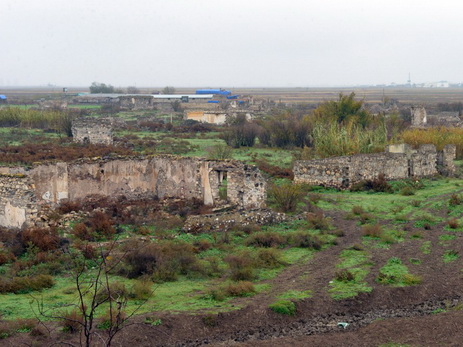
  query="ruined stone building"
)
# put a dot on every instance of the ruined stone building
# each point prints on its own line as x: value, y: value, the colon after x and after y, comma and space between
x: 136, y: 102
x: 25, y: 192
x: 93, y: 130
x: 398, y: 162
x: 218, y: 117
x: 419, y: 116
x: 420, y: 119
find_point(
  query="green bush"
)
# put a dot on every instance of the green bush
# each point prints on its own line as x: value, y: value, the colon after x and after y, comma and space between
x: 286, y: 196
x: 407, y: 191
x: 303, y: 239
x: 141, y: 290
x: 344, y: 276
x: 286, y: 307
x: 241, y: 288
x: 219, y: 152
x: 318, y: 221
x: 71, y: 322
x: 269, y: 258
x: 241, y: 266
x: 21, y: 285
x: 378, y: 185
x: 265, y: 239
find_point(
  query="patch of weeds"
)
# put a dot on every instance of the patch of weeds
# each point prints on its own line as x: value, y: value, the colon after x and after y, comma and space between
x: 295, y: 294
x: 414, y: 261
x: 398, y: 208
x: 407, y: 191
x: 318, y: 221
x: 453, y: 223
x: 396, y: 274
x: 450, y: 255
x: 286, y: 307
x: 349, y: 281
x: 342, y: 290
x: 352, y: 257
x: 415, y: 203
x: 438, y: 310
x: 416, y: 235
x: 401, y: 218
x: 153, y: 321
x: 357, y: 210
x: 365, y: 218
x: 372, y: 230
x: 425, y: 221
x: 426, y: 247
x: 455, y: 200
x: 447, y: 237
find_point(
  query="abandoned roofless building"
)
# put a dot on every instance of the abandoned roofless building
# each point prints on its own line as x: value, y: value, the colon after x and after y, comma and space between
x: 24, y: 193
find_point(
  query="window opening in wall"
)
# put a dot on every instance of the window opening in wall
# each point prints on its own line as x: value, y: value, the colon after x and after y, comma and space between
x: 222, y: 179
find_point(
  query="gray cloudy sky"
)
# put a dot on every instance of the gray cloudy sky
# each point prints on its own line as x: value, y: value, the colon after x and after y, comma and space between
x: 293, y: 43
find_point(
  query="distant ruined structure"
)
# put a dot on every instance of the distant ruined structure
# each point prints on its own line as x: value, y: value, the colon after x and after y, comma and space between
x: 216, y: 116
x: 398, y: 162
x: 52, y: 104
x: 24, y: 193
x: 419, y: 117
x: 93, y: 130
x: 136, y: 102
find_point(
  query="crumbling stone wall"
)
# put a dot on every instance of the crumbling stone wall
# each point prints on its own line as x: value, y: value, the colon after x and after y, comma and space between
x: 398, y: 162
x: 93, y: 130
x: 144, y: 177
x: 419, y: 118
x: 445, y: 160
x: 17, y: 201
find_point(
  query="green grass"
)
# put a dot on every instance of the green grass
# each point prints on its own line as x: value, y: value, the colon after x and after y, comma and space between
x: 447, y: 237
x: 396, y: 274
x: 449, y: 256
x: 343, y: 290
x: 358, y: 264
x: 182, y: 295
x: 285, y: 307
x: 426, y: 247
x: 17, y: 137
x: 295, y: 294
x: 389, y: 206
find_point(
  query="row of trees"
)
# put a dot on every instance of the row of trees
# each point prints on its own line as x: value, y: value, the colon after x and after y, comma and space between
x: 102, y: 88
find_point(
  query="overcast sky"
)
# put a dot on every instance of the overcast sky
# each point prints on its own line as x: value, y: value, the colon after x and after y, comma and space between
x: 206, y: 43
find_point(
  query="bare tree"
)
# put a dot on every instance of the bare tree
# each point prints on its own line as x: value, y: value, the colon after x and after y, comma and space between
x: 133, y: 90
x: 168, y: 90
x: 94, y: 289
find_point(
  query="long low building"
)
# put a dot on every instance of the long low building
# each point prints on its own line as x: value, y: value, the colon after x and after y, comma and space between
x: 154, y: 96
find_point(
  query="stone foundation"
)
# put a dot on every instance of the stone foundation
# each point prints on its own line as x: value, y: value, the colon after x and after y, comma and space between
x: 228, y: 220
